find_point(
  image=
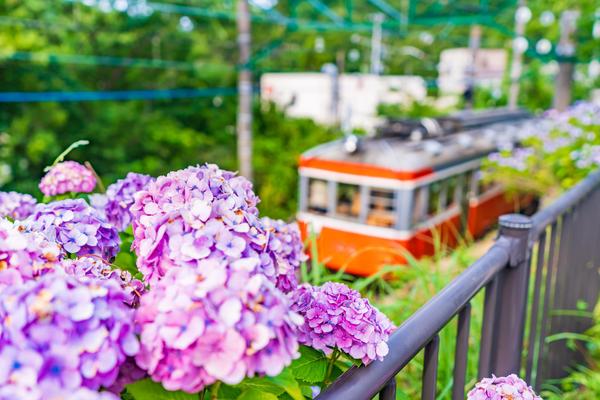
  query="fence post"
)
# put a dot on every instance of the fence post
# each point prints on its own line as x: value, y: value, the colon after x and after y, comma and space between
x: 512, y: 295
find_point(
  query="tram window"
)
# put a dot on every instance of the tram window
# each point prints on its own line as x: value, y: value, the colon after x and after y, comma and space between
x: 317, y: 196
x: 381, y: 208
x: 348, y: 200
x: 418, y: 204
x: 433, y: 206
x: 451, y: 185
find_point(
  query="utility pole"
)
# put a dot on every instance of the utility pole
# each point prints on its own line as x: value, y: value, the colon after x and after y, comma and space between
x: 566, y: 66
x: 376, y: 49
x: 474, y: 44
x: 522, y: 16
x: 244, y: 116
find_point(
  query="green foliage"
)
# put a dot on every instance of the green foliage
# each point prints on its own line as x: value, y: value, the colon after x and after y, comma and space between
x: 584, y: 382
x: 147, y: 389
x: 414, y: 109
x: 558, y: 160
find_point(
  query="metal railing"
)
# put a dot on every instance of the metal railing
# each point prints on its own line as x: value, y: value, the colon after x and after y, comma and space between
x: 538, y: 270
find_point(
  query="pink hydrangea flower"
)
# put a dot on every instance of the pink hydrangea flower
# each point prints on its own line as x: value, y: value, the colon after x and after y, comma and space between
x: 188, y: 215
x: 502, y: 388
x: 93, y: 267
x: 286, y: 245
x: 119, y: 197
x: 215, y: 322
x: 337, y: 317
x: 68, y: 176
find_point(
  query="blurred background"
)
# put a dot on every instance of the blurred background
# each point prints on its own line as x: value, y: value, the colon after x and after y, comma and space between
x: 249, y: 85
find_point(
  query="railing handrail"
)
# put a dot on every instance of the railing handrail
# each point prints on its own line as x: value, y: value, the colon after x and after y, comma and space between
x: 414, y: 334
x: 549, y: 215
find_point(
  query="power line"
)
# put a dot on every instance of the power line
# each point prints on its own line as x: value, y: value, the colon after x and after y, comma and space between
x: 119, y: 95
x: 113, y: 61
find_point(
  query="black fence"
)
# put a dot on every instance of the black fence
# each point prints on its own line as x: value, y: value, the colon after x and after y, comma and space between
x: 538, y: 272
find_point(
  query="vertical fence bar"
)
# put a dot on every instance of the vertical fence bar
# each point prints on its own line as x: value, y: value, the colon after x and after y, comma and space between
x: 461, y: 353
x: 514, y: 282
x: 534, y: 320
x: 553, y: 253
x: 389, y: 391
x: 430, y: 367
x: 487, y: 329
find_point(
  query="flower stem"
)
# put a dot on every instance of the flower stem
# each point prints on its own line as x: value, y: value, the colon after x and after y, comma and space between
x: 214, y: 391
x: 202, y: 394
x: 336, y: 354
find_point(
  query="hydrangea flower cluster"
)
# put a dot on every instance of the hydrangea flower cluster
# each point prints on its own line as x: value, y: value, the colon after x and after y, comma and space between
x: 217, y: 321
x: 502, y: 388
x: 16, y: 206
x: 190, y: 215
x: 119, y: 198
x: 93, y: 267
x: 77, y: 227
x: 286, y: 245
x: 68, y: 176
x: 24, y: 255
x: 337, y: 317
x: 61, y: 334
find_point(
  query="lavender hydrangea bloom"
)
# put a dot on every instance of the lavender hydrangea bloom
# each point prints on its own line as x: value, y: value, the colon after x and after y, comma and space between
x: 68, y: 176
x: 61, y: 334
x: 15, y: 205
x: 24, y: 255
x: 119, y: 198
x: 337, y: 317
x: 188, y: 215
x: 502, y: 388
x: 216, y: 322
x: 286, y: 245
x: 76, y: 227
x: 98, y: 268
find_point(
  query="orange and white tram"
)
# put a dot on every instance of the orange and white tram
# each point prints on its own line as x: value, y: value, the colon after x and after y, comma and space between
x: 370, y: 200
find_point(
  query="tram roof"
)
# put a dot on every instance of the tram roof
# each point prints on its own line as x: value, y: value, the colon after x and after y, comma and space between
x: 401, y: 158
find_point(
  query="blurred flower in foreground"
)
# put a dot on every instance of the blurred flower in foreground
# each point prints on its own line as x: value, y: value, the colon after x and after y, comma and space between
x: 16, y: 206
x: 502, y: 388
x: 337, y: 317
x: 77, y: 227
x: 24, y: 255
x: 68, y: 177
x: 61, y: 334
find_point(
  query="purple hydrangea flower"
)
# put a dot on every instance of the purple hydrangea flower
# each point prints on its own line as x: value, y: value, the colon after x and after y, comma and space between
x: 337, y: 317
x: 61, y: 334
x: 188, y: 215
x: 16, y: 206
x: 97, y: 268
x: 119, y: 197
x: 24, y: 255
x: 286, y: 245
x: 502, y: 388
x: 77, y: 227
x: 216, y: 322
x: 68, y: 176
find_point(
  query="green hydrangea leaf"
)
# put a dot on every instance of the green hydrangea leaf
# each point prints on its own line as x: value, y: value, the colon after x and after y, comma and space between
x: 311, y: 367
x: 147, y: 389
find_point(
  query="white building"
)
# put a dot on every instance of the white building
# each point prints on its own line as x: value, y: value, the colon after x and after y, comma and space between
x: 313, y: 95
x: 456, y: 66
